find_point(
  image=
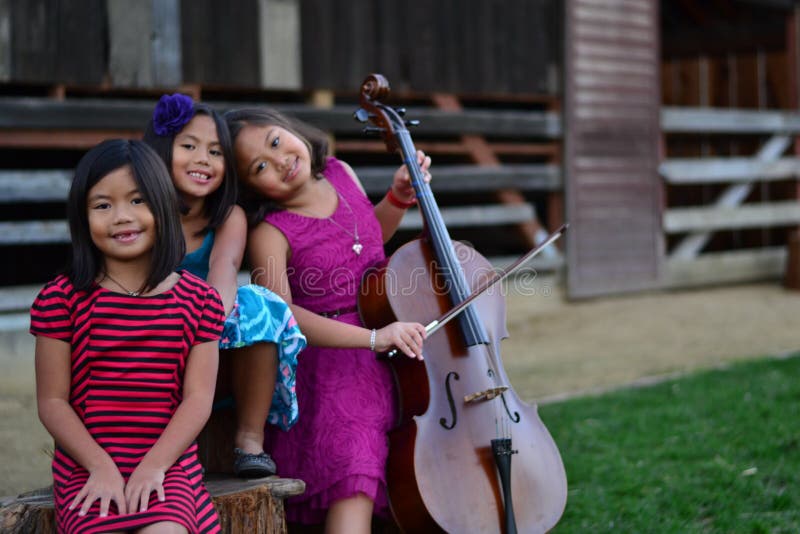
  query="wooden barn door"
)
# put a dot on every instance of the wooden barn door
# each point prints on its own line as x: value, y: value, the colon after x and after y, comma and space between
x: 611, y: 140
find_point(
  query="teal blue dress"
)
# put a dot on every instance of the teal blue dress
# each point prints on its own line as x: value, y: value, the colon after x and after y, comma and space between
x: 259, y: 316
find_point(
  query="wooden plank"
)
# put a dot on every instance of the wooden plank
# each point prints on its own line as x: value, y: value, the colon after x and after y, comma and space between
x: 34, y: 232
x: 90, y: 113
x: 34, y: 186
x: 166, y: 48
x: 53, y: 185
x: 279, y: 40
x: 18, y: 297
x: 21, y: 113
x: 728, y: 121
x: 550, y: 150
x: 15, y: 322
x: 81, y: 139
x: 687, y: 171
x: 468, y: 178
x: 730, y: 267
x: 467, y: 216
x: 130, y: 30
x: 677, y: 220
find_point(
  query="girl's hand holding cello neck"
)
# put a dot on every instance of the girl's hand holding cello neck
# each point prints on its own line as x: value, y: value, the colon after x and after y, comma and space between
x: 402, y: 191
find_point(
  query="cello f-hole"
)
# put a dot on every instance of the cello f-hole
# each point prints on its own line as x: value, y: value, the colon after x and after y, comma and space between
x: 451, y: 401
x: 515, y: 416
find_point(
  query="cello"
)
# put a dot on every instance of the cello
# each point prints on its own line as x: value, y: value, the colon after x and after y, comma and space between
x: 459, y: 423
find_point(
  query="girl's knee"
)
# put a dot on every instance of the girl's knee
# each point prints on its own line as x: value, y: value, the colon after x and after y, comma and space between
x: 163, y: 527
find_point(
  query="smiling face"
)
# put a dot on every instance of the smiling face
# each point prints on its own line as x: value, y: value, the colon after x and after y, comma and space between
x: 272, y: 161
x: 121, y: 225
x: 198, y: 165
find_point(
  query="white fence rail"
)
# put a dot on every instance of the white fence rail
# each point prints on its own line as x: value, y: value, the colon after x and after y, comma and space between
x: 686, y: 264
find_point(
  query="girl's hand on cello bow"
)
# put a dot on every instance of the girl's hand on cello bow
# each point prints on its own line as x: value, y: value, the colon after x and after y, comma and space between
x: 407, y: 337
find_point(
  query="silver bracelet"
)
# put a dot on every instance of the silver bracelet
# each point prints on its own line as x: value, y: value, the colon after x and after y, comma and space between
x: 372, y: 336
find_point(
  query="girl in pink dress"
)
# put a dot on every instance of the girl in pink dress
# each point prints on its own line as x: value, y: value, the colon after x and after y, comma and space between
x: 315, y: 233
x: 126, y: 355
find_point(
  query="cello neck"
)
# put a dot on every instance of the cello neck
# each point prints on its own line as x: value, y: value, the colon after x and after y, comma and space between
x: 395, y: 135
x: 449, y: 265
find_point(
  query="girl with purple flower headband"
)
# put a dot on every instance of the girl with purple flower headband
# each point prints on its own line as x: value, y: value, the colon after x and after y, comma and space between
x: 259, y: 329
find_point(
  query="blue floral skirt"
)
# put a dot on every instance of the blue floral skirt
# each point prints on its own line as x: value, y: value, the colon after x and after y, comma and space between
x: 261, y: 316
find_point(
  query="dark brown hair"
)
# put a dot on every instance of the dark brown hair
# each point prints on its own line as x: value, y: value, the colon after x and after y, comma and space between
x: 155, y: 186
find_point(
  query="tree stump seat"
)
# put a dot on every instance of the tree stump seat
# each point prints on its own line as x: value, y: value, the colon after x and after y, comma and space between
x: 244, y: 506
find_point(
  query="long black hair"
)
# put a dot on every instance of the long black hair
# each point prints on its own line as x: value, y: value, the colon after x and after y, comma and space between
x: 256, y: 206
x: 219, y: 203
x: 155, y: 186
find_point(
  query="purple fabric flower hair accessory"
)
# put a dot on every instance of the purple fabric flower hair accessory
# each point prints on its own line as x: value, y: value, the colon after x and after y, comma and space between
x: 172, y: 113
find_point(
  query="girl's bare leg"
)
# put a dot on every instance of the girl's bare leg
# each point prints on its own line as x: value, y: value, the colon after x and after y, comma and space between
x: 163, y: 527
x: 254, y: 370
x: 350, y: 516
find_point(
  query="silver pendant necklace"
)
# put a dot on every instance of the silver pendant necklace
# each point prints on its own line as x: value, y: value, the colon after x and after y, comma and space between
x: 357, y: 246
x: 125, y: 289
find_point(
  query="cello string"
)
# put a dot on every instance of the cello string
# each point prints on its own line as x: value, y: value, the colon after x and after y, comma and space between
x: 448, y: 258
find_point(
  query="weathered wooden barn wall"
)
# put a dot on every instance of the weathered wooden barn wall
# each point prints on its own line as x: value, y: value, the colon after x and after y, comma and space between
x: 57, y: 41
x: 466, y: 46
x: 613, y: 190
x: 5, y: 41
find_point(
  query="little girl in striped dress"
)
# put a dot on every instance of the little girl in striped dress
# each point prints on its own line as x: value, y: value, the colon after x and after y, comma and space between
x: 126, y: 355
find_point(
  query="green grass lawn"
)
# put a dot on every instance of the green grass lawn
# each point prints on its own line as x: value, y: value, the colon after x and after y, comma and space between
x: 717, y: 451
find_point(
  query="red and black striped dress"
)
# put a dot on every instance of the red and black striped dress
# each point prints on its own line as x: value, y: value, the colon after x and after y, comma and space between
x: 128, y: 359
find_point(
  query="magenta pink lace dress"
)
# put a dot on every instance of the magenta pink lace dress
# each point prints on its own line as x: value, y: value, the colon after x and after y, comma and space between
x: 346, y: 397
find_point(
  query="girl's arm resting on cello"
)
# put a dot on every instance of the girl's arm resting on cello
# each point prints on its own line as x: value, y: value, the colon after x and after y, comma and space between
x: 268, y: 249
x: 226, y: 256
x: 186, y: 423
x: 53, y: 378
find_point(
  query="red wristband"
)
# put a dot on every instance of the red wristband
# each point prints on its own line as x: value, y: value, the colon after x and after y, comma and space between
x: 396, y: 202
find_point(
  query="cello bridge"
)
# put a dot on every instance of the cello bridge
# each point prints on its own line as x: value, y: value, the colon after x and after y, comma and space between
x: 485, y: 395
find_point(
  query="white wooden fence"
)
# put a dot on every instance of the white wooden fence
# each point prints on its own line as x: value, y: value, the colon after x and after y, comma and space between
x: 686, y: 264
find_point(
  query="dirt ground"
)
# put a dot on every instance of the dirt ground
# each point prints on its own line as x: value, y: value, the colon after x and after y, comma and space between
x: 556, y: 348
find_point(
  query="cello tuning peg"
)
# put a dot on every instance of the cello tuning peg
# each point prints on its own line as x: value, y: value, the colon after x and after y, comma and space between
x: 373, y: 130
x: 412, y: 123
x: 401, y: 111
x: 361, y: 115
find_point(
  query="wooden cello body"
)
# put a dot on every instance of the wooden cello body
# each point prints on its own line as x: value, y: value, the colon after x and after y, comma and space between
x: 467, y: 454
